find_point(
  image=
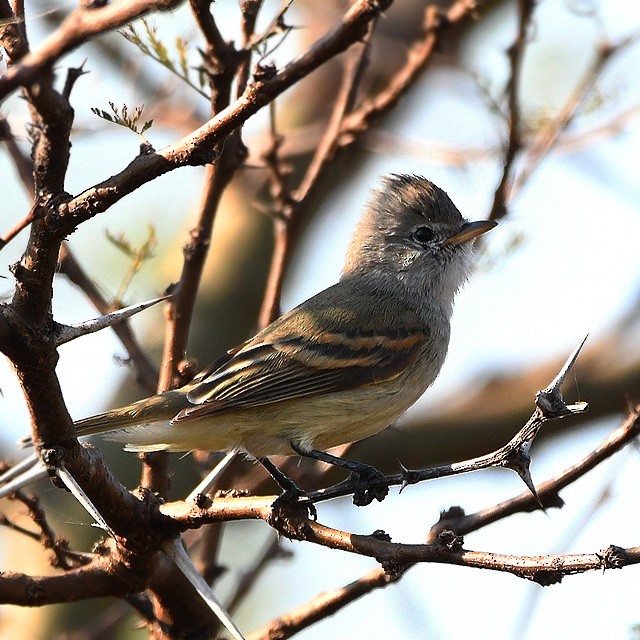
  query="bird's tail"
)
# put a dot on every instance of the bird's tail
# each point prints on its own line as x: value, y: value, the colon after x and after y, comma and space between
x: 157, y: 408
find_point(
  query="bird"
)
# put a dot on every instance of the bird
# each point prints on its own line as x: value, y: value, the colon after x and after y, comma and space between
x: 339, y: 367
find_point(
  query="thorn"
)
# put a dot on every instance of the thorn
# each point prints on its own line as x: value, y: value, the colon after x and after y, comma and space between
x: 176, y: 551
x: 568, y: 365
x: 408, y: 477
x: 520, y: 463
x: 79, y: 494
x: 18, y: 468
x: 66, y: 333
x: 209, y: 480
x: 525, y: 474
x: 549, y: 401
x: 37, y: 472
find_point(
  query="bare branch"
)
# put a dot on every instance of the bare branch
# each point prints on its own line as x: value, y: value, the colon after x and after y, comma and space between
x: 322, y: 606
x: 514, y: 455
x: 514, y: 143
x: 23, y: 164
x: 145, y: 370
x: 196, y: 148
x: 418, y: 57
x: 66, y: 333
x: 92, y: 581
x: 548, y: 491
x: 77, y: 28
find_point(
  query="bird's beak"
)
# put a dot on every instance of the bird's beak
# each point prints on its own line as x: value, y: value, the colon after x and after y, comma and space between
x: 469, y: 231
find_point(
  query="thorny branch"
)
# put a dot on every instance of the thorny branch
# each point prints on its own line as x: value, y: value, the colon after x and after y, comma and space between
x: 298, y: 526
x: 444, y: 540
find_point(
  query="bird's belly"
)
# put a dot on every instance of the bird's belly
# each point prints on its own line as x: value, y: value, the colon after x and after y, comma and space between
x: 319, y: 421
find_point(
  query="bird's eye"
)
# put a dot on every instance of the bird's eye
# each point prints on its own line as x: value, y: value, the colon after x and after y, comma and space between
x: 423, y: 235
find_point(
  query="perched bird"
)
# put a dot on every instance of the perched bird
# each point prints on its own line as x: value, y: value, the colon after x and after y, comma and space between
x: 341, y: 366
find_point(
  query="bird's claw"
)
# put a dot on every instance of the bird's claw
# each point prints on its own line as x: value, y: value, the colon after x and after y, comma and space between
x: 370, y: 485
x: 292, y: 498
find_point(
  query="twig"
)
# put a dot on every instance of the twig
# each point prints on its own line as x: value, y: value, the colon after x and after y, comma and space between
x: 77, y: 28
x: 18, y: 227
x: 249, y: 10
x: 290, y: 207
x: 145, y: 370
x: 91, y: 581
x: 207, y: 24
x: 514, y: 143
x: 322, y: 606
x: 67, y: 333
x: 47, y: 536
x: 514, y: 455
x: 221, y: 61
x: 418, y: 57
x: 23, y: 163
x: 548, y: 491
x: 448, y: 549
x: 550, y: 133
x: 199, y: 146
x: 257, y: 39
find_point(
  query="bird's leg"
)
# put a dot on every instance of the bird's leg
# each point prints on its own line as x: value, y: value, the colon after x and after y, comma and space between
x: 290, y: 489
x: 283, y: 481
x: 370, y: 483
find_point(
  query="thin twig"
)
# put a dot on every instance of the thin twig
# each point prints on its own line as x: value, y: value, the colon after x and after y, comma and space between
x: 271, y: 551
x: 222, y: 64
x: 418, y: 57
x: 250, y: 10
x: 550, y: 133
x: 289, y: 208
x: 322, y: 606
x: 146, y: 372
x: 199, y: 147
x: 514, y: 143
x: 18, y: 227
x: 47, y: 536
x: 23, y: 163
x: 79, y: 26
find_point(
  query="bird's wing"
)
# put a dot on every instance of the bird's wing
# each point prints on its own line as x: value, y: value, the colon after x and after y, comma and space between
x: 305, y: 354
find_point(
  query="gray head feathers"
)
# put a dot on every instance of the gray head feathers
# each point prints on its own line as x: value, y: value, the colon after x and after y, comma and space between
x: 404, y: 195
x: 404, y: 210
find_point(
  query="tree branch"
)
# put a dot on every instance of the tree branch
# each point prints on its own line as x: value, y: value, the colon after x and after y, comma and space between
x: 198, y: 147
x: 77, y: 28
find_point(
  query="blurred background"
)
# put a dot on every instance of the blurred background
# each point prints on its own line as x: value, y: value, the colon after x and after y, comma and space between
x: 562, y: 263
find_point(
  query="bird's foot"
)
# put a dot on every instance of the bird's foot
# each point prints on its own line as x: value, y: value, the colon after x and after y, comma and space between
x: 370, y: 485
x: 292, y: 499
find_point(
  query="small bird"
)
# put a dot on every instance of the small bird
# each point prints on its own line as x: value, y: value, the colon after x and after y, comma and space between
x: 341, y: 366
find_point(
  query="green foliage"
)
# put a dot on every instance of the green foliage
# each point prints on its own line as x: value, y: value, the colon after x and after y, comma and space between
x: 124, y: 119
x: 138, y: 255
x: 151, y: 45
